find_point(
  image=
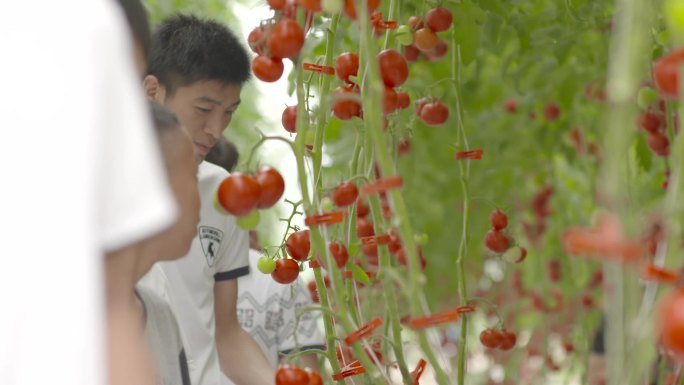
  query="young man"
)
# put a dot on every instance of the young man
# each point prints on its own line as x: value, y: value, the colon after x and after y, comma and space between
x: 197, y: 69
x: 266, y: 309
x: 94, y: 187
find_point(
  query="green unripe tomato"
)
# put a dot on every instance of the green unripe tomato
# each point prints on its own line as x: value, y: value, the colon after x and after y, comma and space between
x: 331, y: 6
x: 327, y: 204
x: 266, y: 265
x: 249, y: 221
x: 646, y: 97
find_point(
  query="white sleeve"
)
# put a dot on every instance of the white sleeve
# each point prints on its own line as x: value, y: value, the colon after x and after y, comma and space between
x: 233, y: 260
x: 136, y: 201
x: 308, y: 335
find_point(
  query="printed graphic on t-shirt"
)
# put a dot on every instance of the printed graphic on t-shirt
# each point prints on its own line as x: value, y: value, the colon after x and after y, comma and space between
x: 273, y: 320
x: 210, y: 238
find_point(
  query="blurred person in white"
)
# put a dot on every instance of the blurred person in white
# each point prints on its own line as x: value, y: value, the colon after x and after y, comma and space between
x: 266, y: 309
x: 91, y: 192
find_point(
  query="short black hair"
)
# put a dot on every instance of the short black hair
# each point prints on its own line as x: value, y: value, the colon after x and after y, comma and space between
x: 186, y: 49
x: 138, y: 23
x: 224, y: 154
x: 165, y: 121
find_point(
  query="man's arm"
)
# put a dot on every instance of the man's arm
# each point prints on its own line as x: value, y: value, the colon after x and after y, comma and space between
x: 240, y: 356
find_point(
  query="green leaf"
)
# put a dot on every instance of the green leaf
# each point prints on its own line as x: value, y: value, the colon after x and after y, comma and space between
x: 359, y: 274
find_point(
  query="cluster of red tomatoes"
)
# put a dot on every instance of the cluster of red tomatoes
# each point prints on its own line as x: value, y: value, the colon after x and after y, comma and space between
x: 293, y: 375
x: 422, y: 38
x: 240, y: 194
x: 499, y: 242
x: 498, y: 339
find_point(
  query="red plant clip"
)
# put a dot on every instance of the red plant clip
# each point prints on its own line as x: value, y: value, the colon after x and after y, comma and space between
x: 352, y: 369
x: 314, y: 264
x: 319, y: 69
x: 470, y: 154
x: 418, y: 371
x: 376, y: 240
x: 652, y: 272
x: 364, y: 331
x: 383, y: 184
x: 378, y: 23
x: 438, y: 318
x: 325, y: 218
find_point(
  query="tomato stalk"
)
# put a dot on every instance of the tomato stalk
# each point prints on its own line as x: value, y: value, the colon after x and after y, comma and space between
x: 626, y: 333
x: 373, y: 118
x: 464, y: 168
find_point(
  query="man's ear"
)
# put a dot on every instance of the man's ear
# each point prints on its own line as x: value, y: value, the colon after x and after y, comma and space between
x: 154, y: 90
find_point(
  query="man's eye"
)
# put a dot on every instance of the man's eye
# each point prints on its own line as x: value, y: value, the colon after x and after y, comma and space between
x: 201, y: 109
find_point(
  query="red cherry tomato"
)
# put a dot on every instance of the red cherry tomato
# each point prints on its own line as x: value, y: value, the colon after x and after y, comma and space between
x: 345, y: 194
x: 411, y: 53
x: 257, y: 39
x: 362, y: 208
x: 511, y: 106
x: 339, y: 253
x: 498, y: 219
x: 403, y: 100
x: 267, y: 69
x: 298, y: 245
x: 414, y: 22
x: 491, y: 338
x: 551, y: 112
x: 670, y: 321
x: 508, y: 340
x: 311, y: 5
x: 289, y: 119
x: 314, y: 377
x: 390, y: 100
x: 497, y: 241
x: 286, y: 39
x: 425, y: 40
x: 364, y: 228
x: 276, y: 5
x: 393, y: 67
x: 286, y: 271
x: 291, y: 375
x: 659, y: 144
x: 434, y: 113
x: 346, y: 104
x: 438, y: 19
x: 272, y: 186
x: 438, y: 52
x: 239, y: 194
x: 649, y: 121
x: 666, y: 73
x: 346, y: 65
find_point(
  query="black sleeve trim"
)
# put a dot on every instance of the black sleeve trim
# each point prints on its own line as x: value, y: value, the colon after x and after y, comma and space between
x: 302, y: 349
x: 185, y: 372
x: 232, y: 274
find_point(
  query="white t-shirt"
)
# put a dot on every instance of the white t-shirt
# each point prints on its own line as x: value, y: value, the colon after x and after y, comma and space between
x: 82, y: 175
x: 219, y: 252
x: 267, y: 310
x: 163, y: 337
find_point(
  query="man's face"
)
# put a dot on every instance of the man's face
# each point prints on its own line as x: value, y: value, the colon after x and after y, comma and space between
x: 204, y: 108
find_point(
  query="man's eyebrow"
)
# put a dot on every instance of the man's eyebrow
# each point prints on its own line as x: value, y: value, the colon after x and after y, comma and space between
x: 207, y: 99
x: 235, y: 104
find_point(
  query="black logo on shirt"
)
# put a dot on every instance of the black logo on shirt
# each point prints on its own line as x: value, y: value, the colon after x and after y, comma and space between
x: 210, y: 238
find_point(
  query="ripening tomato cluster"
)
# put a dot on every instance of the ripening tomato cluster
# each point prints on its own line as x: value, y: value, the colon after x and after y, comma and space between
x: 241, y: 194
x: 541, y: 210
x: 499, y: 242
x: 498, y: 339
x: 293, y: 375
x: 420, y: 36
